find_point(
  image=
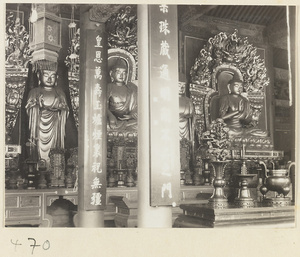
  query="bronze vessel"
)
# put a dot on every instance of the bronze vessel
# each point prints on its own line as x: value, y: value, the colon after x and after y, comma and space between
x: 279, y: 181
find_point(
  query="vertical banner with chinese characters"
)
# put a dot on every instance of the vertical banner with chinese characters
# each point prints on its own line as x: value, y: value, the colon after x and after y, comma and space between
x: 164, y: 106
x: 95, y: 127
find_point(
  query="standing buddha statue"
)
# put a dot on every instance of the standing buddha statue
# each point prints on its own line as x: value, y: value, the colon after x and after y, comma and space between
x: 186, y: 133
x: 47, y: 110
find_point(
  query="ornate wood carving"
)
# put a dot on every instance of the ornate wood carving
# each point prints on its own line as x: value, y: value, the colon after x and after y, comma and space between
x: 57, y: 167
x: 122, y: 30
x: 17, y: 56
x: 122, y: 158
x: 101, y: 13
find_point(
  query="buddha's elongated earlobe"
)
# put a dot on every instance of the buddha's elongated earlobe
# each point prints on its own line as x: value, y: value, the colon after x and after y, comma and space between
x: 229, y: 90
x: 39, y: 77
x: 111, y: 76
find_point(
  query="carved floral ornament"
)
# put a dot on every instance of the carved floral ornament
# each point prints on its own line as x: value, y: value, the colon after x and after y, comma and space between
x: 17, y: 52
x: 122, y: 30
x: 229, y: 48
x: 17, y: 57
x: 217, y: 141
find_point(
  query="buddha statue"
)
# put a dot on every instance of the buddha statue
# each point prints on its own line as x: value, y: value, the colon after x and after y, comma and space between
x: 236, y: 111
x: 186, y: 113
x: 122, y: 99
x: 186, y: 134
x: 47, y: 110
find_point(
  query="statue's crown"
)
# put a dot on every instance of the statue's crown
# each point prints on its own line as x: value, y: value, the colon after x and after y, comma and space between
x: 44, y: 65
x: 120, y: 63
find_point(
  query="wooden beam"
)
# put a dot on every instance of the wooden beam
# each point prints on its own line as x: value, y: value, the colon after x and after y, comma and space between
x: 193, y: 12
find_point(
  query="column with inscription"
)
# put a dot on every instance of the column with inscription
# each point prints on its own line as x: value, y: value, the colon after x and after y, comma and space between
x: 92, y: 122
x: 159, y: 168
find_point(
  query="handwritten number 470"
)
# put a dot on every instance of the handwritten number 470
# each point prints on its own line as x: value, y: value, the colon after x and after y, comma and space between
x: 45, y: 246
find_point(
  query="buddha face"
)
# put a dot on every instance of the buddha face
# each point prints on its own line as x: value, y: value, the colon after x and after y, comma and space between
x: 181, y: 87
x: 48, y: 78
x: 236, y: 88
x: 119, y: 74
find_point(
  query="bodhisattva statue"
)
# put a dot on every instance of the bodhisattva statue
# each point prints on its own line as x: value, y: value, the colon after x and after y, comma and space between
x: 122, y: 99
x: 47, y: 110
x: 236, y: 111
x: 186, y: 113
x: 186, y: 133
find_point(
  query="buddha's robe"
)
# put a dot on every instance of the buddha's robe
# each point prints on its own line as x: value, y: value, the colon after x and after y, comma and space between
x: 47, y: 110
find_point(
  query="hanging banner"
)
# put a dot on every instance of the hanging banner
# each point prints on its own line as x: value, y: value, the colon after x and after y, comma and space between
x: 164, y: 106
x: 95, y: 129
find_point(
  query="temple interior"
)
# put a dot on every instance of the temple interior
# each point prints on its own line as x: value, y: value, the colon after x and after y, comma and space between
x: 149, y: 116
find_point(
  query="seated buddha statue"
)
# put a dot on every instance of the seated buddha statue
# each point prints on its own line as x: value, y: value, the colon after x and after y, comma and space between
x: 48, y: 111
x: 236, y: 111
x: 122, y: 99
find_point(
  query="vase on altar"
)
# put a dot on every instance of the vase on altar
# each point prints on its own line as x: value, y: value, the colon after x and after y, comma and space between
x: 218, y: 198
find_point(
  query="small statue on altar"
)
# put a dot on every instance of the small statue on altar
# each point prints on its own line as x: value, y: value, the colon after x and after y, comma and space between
x: 236, y: 111
x: 47, y: 110
x: 122, y: 99
x: 186, y: 133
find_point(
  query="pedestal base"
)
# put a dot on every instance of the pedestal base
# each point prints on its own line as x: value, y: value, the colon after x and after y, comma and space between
x: 277, y: 201
x: 203, y: 216
x: 218, y: 203
x: 126, y: 211
x: 244, y: 202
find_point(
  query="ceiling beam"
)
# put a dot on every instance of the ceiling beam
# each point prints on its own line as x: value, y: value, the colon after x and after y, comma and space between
x: 193, y: 12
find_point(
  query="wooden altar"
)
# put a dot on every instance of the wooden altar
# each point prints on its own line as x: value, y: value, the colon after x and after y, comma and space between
x: 29, y: 207
x: 201, y: 216
x: 126, y: 209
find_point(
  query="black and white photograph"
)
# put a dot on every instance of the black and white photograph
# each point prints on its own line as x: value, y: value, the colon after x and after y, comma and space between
x: 121, y: 119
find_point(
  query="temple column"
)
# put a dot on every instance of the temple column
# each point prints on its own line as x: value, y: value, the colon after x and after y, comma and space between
x: 92, y: 141
x: 158, y: 180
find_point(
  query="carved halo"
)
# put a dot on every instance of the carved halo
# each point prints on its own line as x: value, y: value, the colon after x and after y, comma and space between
x: 228, y: 48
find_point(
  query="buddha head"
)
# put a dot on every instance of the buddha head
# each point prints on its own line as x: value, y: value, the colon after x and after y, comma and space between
x: 181, y: 87
x: 118, y: 72
x: 47, y: 78
x: 235, y: 86
x: 46, y: 73
x: 182, y: 84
